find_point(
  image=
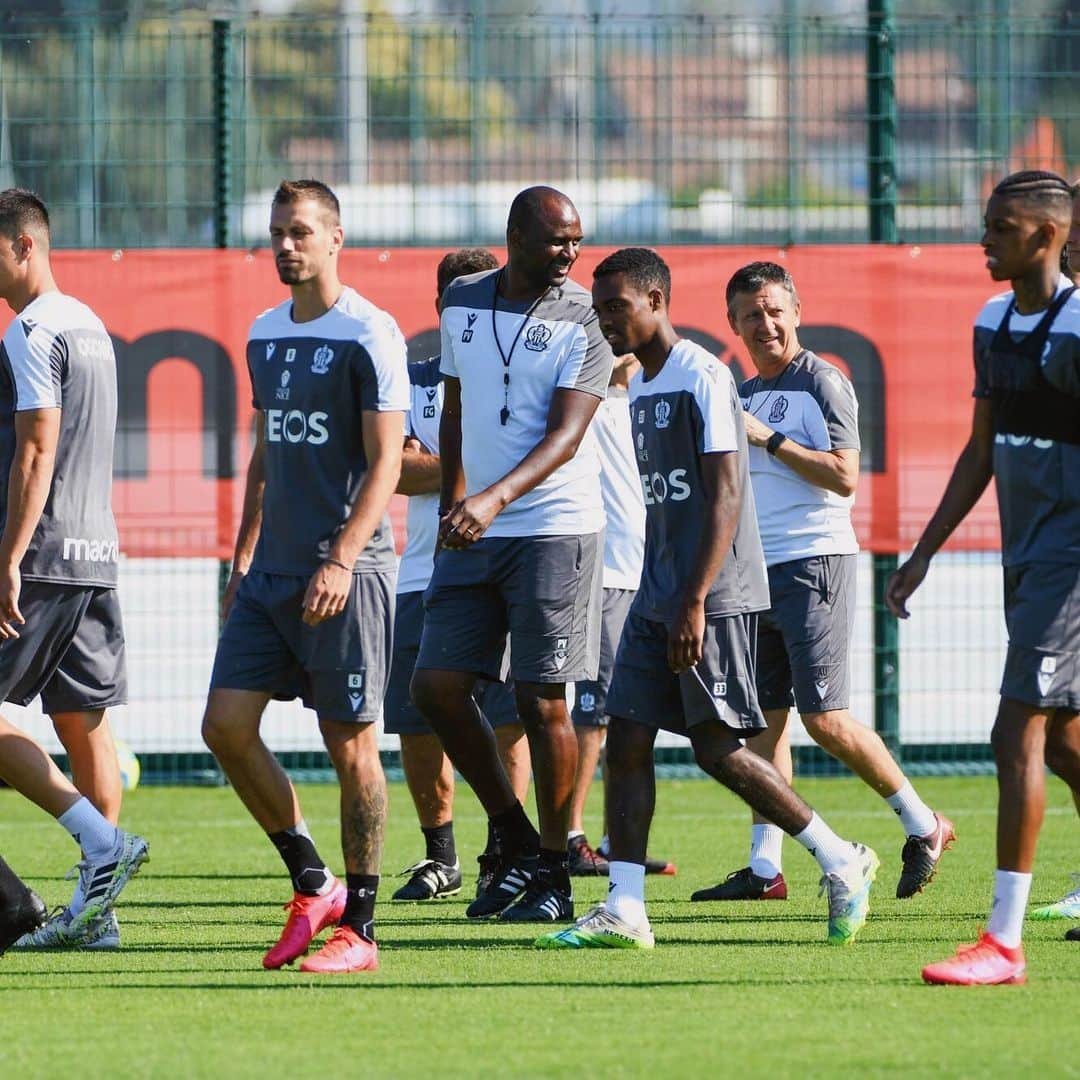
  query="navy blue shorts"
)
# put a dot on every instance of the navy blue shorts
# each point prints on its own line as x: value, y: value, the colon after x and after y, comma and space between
x: 542, y: 591
x: 339, y: 668
x: 401, y: 716
x: 590, y: 695
x: 720, y: 687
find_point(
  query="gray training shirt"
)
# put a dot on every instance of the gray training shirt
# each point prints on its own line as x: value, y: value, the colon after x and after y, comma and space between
x: 1036, y: 428
x: 691, y: 408
x: 812, y: 403
x: 57, y: 354
x: 311, y: 382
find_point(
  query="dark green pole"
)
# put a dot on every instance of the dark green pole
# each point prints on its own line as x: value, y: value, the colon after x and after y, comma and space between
x: 222, y: 67
x: 881, y: 177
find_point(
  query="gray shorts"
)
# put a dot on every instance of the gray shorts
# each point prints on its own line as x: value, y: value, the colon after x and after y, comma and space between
x: 544, y: 591
x: 339, y: 668
x: 1042, y: 613
x: 804, y: 638
x: 721, y: 687
x: 400, y: 715
x: 590, y: 695
x: 70, y: 650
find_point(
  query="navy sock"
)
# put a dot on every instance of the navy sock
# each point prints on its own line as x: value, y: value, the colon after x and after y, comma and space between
x: 554, y: 867
x: 360, y: 906
x: 297, y: 850
x: 440, y: 843
x: 492, y: 847
x: 515, y: 833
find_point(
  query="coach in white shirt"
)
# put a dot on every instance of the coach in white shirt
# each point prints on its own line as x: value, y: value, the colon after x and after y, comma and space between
x: 801, y: 423
x: 522, y: 537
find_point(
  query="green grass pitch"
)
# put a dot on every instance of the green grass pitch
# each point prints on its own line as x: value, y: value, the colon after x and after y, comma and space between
x: 750, y: 988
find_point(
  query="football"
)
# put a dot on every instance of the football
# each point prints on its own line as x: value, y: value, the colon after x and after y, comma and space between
x: 129, y: 766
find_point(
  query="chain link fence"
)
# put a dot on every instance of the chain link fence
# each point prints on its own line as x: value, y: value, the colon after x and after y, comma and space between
x: 666, y: 129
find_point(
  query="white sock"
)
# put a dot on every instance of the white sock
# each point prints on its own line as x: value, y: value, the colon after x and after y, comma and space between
x: 573, y: 834
x: 1010, y: 903
x: 916, y: 817
x: 831, y: 852
x: 766, y: 842
x: 626, y: 892
x: 92, y: 832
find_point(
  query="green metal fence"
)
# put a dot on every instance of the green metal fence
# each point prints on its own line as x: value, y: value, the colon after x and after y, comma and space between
x: 879, y: 127
x: 695, y: 129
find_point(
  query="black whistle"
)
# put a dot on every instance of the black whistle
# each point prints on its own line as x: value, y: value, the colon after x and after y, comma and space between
x: 504, y: 415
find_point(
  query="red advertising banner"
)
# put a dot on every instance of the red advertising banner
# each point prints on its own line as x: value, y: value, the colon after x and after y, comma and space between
x: 897, y: 319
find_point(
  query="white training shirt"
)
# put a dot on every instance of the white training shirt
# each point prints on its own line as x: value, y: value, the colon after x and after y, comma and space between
x: 624, y: 543
x: 558, y: 346
x: 422, y: 517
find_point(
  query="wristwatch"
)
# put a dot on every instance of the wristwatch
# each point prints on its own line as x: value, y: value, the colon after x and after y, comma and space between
x: 775, y: 441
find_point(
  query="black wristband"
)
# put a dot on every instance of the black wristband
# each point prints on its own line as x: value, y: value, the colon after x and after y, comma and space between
x: 776, y: 439
x: 338, y: 563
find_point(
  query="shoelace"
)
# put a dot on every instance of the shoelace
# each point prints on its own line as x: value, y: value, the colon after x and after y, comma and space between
x: 339, y: 940
x: 976, y: 950
x: 47, y: 926
x: 423, y: 864
x: 296, y: 905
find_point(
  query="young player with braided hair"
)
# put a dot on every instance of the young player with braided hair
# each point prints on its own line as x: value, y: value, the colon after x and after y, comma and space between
x: 1026, y: 434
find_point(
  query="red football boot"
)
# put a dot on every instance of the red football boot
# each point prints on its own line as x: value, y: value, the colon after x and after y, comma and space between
x: 345, y: 951
x: 307, y: 916
x: 986, y: 963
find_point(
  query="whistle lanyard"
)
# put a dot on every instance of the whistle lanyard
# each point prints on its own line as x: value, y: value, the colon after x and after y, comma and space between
x: 504, y: 412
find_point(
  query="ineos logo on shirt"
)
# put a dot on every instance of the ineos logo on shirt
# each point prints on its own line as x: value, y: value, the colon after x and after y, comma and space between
x: 659, y: 489
x: 295, y: 426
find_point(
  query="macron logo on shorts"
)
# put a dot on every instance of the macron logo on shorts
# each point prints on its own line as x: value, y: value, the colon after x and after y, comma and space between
x: 562, y: 646
x: 1047, y: 671
x: 80, y: 549
x: 356, y: 690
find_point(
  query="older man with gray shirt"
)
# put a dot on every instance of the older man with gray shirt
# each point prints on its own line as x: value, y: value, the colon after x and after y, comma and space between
x: 801, y: 423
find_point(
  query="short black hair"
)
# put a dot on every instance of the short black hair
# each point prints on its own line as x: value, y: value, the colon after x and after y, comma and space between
x: 22, y: 211
x: 528, y: 205
x: 754, y: 276
x: 642, y: 267
x: 1038, y: 189
x: 294, y: 191
x: 463, y: 261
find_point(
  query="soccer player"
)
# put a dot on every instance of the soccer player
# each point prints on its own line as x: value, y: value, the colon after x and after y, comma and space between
x: 1068, y: 907
x: 686, y: 658
x: 1025, y: 434
x: 624, y: 542
x: 428, y: 772
x: 309, y: 603
x: 61, y: 634
x: 21, y: 909
x: 804, y: 464
x: 521, y: 537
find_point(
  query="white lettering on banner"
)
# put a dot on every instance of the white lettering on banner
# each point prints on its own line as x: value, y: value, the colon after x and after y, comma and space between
x: 81, y: 549
x: 659, y: 489
x: 295, y: 426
